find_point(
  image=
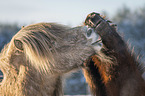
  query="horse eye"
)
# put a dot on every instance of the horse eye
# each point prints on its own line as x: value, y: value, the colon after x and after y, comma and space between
x: 89, y: 32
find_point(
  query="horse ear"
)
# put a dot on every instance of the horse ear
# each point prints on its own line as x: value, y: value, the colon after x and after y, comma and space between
x: 18, y: 44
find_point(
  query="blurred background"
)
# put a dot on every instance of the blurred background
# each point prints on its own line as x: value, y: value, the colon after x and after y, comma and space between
x: 129, y: 15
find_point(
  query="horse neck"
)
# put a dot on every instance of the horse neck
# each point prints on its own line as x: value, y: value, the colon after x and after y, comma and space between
x: 28, y: 82
x: 124, y: 75
x: 47, y: 85
x: 123, y: 78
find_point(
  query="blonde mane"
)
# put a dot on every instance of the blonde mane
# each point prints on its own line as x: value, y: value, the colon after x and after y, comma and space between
x: 38, y: 45
x: 4, y: 57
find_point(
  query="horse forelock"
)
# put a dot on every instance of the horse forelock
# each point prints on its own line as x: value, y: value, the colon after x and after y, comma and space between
x: 38, y: 46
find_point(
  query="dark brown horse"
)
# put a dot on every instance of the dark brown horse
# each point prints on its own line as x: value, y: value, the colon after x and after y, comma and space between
x: 114, y: 70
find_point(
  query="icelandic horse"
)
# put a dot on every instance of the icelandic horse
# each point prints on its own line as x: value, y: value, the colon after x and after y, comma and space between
x: 37, y: 57
x: 114, y: 70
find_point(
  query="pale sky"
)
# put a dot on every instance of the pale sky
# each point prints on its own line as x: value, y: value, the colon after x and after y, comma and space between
x: 68, y: 12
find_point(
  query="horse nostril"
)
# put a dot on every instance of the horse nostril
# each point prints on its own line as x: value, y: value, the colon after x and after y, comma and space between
x: 89, y: 32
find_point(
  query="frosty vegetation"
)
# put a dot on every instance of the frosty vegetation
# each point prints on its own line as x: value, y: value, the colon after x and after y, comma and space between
x: 131, y: 25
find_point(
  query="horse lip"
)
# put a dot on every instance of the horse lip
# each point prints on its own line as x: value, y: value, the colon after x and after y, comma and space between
x: 96, y: 42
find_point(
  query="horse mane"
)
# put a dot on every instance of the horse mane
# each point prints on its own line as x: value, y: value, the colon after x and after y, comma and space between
x: 39, y: 42
x: 4, y: 57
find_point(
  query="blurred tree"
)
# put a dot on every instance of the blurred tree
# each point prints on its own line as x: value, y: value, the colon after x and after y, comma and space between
x: 132, y: 25
x: 76, y: 84
x: 6, y: 33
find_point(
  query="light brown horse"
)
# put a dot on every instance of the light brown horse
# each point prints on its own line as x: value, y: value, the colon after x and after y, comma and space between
x: 34, y: 61
x: 114, y: 70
